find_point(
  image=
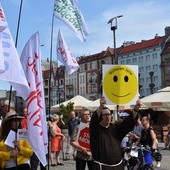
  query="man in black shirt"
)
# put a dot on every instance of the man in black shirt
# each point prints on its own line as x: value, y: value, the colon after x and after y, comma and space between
x: 105, y: 137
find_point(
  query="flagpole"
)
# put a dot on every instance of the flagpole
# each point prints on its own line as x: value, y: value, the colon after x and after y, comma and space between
x: 49, y: 87
x: 16, y: 43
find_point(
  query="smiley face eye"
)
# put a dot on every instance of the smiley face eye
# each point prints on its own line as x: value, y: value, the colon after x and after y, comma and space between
x: 126, y: 78
x: 115, y: 78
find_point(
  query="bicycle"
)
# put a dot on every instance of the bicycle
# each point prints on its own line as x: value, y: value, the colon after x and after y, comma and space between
x: 138, y: 158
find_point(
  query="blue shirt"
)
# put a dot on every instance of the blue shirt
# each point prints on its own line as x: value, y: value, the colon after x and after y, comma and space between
x: 71, y: 125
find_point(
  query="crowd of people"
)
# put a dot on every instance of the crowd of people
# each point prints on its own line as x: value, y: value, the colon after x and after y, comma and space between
x: 104, y: 138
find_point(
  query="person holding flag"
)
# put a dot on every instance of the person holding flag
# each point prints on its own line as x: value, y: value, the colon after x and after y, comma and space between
x: 18, y: 156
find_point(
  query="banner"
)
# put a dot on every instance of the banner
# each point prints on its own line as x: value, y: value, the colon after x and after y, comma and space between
x: 83, y: 136
x: 3, y: 25
x: 68, y: 11
x: 11, y: 69
x: 36, y: 117
x: 65, y: 56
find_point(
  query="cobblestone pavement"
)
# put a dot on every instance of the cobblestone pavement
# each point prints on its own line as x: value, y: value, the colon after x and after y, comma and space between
x: 70, y: 164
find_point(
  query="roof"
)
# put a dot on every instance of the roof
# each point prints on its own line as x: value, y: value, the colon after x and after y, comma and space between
x: 141, y: 45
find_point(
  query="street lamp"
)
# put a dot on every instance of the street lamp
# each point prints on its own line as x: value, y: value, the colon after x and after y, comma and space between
x: 113, y: 28
x: 151, y: 85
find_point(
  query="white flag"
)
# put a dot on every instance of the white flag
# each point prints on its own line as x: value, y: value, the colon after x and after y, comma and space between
x: 13, y: 72
x: 2, y: 64
x: 69, y: 12
x: 3, y: 25
x: 36, y: 118
x: 65, y: 56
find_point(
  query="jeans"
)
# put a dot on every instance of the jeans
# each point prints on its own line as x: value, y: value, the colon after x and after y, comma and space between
x: 81, y: 164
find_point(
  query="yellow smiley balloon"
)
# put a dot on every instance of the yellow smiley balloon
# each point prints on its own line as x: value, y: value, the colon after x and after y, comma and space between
x: 120, y: 84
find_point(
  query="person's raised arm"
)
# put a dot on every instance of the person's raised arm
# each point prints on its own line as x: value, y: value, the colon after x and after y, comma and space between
x: 137, y: 107
x: 102, y: 103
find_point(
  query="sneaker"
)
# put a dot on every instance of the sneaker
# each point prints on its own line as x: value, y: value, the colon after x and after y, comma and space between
x: 60, y: 164
x: 158, y: 164
x: 53, y: 165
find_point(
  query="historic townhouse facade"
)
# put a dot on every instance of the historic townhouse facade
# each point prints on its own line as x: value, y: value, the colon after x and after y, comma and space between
x: 145, y: 54
x: 152, y: 57
x: 165, y: 63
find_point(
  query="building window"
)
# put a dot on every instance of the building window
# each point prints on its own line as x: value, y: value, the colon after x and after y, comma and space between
x: 148, y: 79
x: 122, y: 62
x: 94, y: 77
x: 154, y: 56
x: 82, y: 67
x: 141, y: 69
x: 168, y: 69
x: 155, y: 78
x: 128, y: 61
x: 80, y: 90
x: 80, y: 79
x: 148, y: 91
x: 83, y: 91
x: 148, y: 68
x: 88, y: 77
x: 83, y: 79
x: 141, y: 80
x: 142, y: 91
x: 134, y: 60
x: 147, y: 57
x: 140, y: 58
x: 89, y: 89
x: 155, y: 67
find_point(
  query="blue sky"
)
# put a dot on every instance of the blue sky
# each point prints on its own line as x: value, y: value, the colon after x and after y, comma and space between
x: 142, y: 19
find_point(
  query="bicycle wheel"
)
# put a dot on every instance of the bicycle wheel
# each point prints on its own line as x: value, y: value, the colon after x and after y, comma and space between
x: 148, y: 167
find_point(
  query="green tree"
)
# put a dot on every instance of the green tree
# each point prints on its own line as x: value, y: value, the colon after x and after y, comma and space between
x: 65, y: 110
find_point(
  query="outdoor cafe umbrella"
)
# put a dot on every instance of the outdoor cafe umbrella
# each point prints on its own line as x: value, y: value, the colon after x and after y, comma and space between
x: 80, y: 102
x: 95, y: 104
x: 159, y: 101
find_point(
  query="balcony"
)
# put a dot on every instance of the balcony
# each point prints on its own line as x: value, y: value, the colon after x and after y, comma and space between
x: 69, y: 86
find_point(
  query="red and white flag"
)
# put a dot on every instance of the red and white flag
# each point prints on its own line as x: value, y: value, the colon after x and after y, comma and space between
x: 36, y: 117
x: 69, y: 12
x: 11, y: 68
x: 65, y: 56
x: 3, y: 25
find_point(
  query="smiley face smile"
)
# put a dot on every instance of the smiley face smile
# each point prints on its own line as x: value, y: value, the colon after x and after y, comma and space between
x: 120, y: 96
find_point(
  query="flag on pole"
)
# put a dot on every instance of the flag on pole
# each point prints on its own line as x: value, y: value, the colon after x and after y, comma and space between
x: 36, y: 118
x: 2, y: 65
x: 13, y: 71
x: 3, y: 25
x: 68, y: 11
x: 65, y: 56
